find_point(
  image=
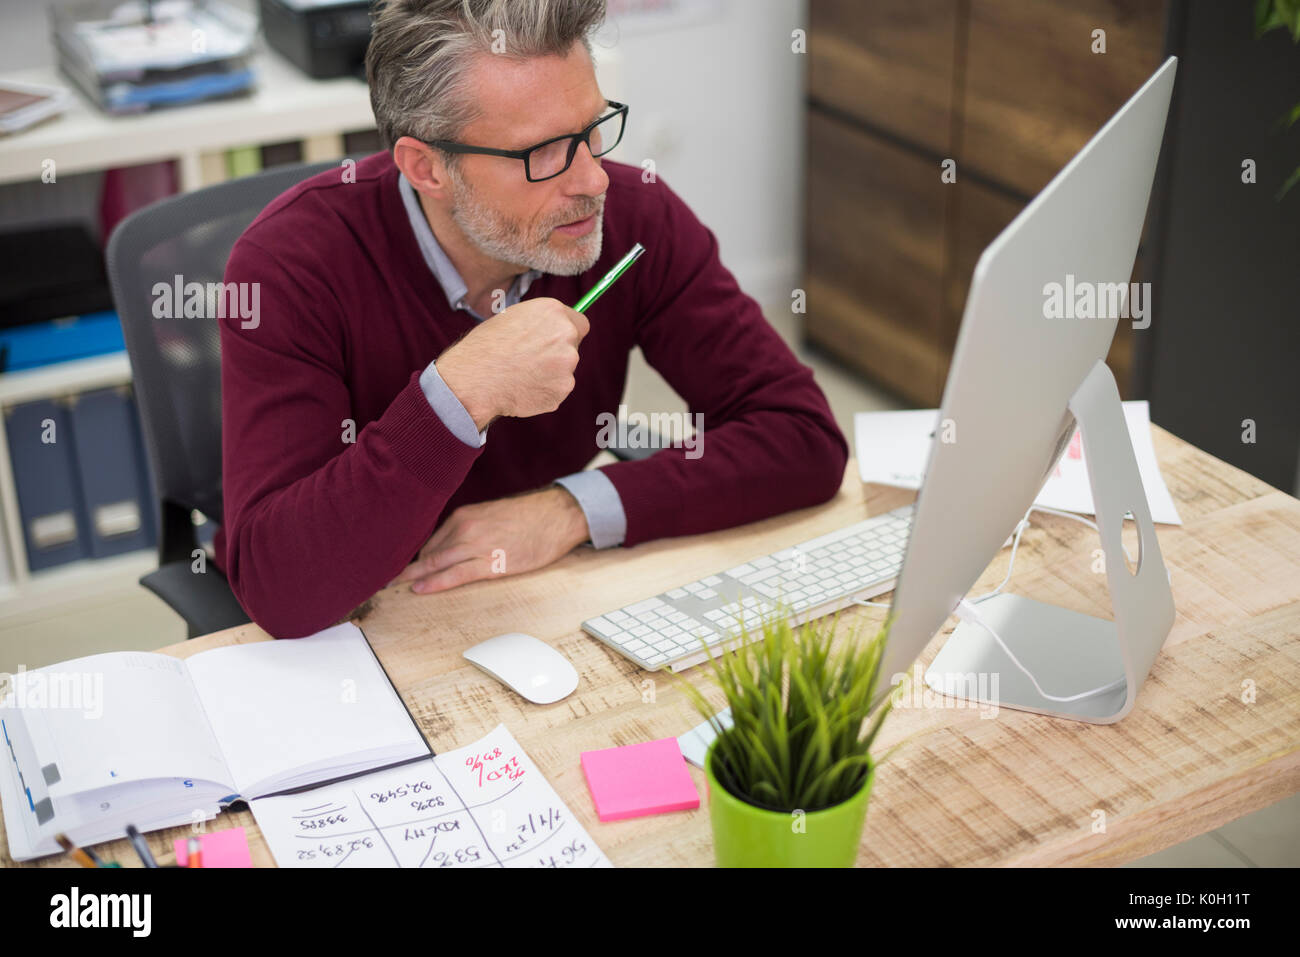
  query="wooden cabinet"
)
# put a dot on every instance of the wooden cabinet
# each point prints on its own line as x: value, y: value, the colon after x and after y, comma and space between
x: 1008, y: 89
x: 1033, y: 90
x: 875, y: 254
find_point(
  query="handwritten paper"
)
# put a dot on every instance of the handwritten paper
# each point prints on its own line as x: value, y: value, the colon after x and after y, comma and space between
x: 483, y: 805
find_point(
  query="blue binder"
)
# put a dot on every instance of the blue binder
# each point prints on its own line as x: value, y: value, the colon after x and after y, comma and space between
x: 45, y: 474
x: 114, y: 486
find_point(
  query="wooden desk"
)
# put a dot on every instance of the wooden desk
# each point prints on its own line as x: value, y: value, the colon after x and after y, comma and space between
x: 1019, y: 789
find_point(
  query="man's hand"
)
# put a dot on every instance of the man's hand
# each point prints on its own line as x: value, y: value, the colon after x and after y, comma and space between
x: 519, y: 362
x: 502, y: 537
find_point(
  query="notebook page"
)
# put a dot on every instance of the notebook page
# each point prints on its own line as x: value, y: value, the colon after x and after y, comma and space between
x: 109, y: 719
x: 483, y: 805
x: 279, y: 706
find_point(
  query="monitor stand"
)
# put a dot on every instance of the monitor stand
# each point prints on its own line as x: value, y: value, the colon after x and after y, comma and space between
x: 1068, y: 652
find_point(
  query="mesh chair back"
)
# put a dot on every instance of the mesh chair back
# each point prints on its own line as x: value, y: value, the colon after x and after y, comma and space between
x: 176, y: 362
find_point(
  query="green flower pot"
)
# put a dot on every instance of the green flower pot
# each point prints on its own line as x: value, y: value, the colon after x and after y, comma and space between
x: 749, y: 836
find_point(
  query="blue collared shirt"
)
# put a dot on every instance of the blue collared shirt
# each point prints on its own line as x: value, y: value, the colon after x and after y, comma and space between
x: 592, y: 489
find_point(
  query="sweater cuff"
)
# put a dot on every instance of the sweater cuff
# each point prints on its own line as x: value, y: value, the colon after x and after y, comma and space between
x: 600, y: 503
x: 422, y: 442
x: 450, y: 409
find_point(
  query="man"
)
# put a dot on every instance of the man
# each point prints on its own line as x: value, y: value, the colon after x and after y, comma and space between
x: 415, y: 368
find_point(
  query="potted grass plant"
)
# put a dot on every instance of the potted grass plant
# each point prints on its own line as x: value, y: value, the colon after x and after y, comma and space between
x: 789, y: 780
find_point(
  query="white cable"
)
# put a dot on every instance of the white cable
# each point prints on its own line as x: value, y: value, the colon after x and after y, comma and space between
x: 1082, y: 521
x: 1024, y: 522
x: 1015, y: 543
x: 967, y: 613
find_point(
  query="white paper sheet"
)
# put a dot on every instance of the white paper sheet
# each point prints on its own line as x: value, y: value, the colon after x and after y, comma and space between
x: 695, y: 743
x: 892, y: 448
x: 483, y: 805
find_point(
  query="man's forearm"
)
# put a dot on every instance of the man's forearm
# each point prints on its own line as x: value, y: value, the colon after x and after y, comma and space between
x: 301, y: 556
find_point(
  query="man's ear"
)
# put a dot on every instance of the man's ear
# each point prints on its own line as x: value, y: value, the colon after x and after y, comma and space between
x: 424, y: 167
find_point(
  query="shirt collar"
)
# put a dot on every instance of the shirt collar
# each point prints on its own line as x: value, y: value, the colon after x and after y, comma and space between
x: 452, y: 284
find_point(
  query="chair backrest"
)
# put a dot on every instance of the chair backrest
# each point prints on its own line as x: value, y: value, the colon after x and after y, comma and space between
x: 176, y: 363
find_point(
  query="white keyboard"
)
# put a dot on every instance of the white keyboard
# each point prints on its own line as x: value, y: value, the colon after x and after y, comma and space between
x: 809, y: 580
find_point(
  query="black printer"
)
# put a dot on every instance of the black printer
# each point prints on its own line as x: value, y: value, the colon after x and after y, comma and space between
x: 323, y: 38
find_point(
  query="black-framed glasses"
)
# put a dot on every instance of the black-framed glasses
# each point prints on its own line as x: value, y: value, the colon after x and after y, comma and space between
x: 552, y: 157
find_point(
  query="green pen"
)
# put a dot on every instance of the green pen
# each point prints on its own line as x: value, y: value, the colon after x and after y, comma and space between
x: 608, y: 279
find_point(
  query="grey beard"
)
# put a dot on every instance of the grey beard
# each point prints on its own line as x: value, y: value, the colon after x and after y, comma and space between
x: 503, y: 240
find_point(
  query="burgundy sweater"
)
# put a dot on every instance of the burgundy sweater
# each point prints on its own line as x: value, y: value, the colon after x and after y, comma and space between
x: 350, y: 315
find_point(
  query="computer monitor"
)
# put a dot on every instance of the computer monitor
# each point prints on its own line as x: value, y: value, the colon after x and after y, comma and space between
x: 1030, y: 363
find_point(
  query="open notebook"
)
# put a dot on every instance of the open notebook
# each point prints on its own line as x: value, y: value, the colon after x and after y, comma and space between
x: 93, y: 744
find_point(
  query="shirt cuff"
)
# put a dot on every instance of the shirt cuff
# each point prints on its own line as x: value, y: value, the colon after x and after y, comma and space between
x: 450, y: 409
x: 600, y: 502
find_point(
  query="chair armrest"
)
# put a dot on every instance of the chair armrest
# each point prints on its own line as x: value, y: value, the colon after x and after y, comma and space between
x: 204, y: 600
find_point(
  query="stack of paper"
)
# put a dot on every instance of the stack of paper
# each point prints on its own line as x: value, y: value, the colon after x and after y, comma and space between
x: 133, y: 56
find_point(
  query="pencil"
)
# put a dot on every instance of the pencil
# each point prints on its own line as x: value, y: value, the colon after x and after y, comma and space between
x: 607, y: 280
x: 141, y: 848
x: 76, y: 853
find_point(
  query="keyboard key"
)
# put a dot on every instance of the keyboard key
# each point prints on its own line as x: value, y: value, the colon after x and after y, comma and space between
x: 603, y: 627
x: 643, y: 606
x: 763, y: 574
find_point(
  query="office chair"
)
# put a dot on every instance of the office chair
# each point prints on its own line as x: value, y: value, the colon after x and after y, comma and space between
x: 176, y: 366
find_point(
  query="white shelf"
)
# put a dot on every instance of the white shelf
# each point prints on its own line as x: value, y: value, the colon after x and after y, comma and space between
x: 287, y: 105
x: 80, y: 579
x: 65, y: 378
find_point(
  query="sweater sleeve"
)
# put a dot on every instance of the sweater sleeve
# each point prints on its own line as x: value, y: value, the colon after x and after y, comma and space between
x: 318, y: 515
x: 769, y: 441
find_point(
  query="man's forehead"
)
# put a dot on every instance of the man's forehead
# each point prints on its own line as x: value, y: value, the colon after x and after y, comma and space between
x: 529, y: 100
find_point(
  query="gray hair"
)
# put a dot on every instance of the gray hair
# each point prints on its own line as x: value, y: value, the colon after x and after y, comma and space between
x: 420, y: 51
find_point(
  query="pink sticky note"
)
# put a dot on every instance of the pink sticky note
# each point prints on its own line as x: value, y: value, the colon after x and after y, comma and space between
x: 228, y: 848
x: 639, y: 779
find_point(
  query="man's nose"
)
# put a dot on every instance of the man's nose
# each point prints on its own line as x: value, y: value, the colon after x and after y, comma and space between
x: 587, y: 177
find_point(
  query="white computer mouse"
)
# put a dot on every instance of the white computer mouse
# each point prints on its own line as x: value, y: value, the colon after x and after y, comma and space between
x: 527, y: 665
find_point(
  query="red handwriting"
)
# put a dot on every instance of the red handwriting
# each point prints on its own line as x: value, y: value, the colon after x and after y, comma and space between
x: 492, y: 766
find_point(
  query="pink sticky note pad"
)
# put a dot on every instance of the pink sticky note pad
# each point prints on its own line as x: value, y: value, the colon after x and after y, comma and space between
x: 228, y: 848
x: 639, y: 779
